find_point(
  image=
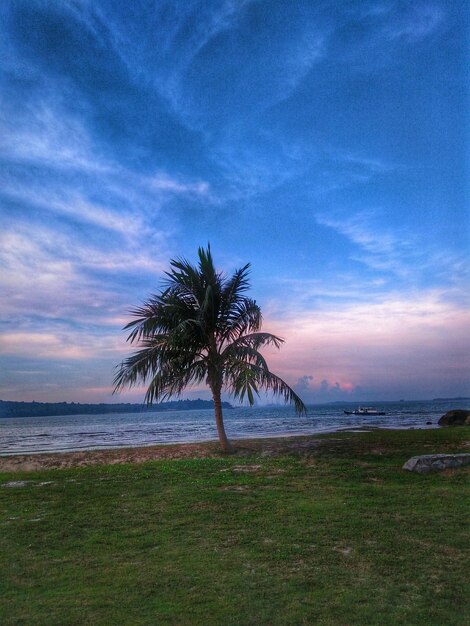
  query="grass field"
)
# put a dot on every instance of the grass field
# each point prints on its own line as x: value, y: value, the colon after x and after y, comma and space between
x: 335, y: 534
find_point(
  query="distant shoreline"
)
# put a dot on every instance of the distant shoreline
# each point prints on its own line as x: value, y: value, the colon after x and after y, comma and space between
x: 19, y: 409
x: 9, y: 409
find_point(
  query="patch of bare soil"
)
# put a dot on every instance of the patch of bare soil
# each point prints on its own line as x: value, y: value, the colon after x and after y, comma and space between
x: 31, y: 462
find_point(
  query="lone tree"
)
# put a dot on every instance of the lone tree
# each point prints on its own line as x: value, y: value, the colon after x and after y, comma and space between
x: 201, y: 327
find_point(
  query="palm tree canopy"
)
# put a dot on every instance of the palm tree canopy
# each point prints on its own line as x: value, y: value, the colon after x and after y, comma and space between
x: 201, y: 327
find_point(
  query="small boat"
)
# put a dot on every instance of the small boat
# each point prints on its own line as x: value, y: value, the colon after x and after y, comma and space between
x: 365, y: 410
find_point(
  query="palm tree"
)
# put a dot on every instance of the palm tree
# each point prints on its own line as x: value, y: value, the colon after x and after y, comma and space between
x: 201, y: 327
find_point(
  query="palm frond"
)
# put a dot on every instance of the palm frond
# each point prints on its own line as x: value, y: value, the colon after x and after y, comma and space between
x: 244, y: 316
x: 253, y: 376
x: 255, y: 341
x: 246, y: 385
x: 136, y: 368
x: 245, y: 354
x: 232, y: 291
x: 207, y: 269
x: 170, y: 382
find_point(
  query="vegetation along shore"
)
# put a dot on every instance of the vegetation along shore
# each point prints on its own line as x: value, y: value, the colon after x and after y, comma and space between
x: 43, y: 409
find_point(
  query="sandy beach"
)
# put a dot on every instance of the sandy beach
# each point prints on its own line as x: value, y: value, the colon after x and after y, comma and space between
x: 114, y: 456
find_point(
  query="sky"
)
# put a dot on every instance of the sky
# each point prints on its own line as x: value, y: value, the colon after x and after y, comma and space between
x: 324, y: 142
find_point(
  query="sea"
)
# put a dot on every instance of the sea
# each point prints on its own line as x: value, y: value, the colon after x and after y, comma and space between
x: 29, y: 435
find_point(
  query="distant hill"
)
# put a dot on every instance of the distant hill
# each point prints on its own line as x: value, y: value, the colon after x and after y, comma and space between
x: 373, y: 402
x: 37, y: 409
x: 459, y: 399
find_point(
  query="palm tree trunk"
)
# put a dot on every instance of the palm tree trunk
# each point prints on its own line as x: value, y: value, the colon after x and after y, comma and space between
x: 219, y: 420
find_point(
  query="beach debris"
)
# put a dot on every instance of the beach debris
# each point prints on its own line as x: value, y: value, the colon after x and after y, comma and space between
x: 245, y: 469
x: 15, y: 483
x: 24, y: 483
x: 436, y: 462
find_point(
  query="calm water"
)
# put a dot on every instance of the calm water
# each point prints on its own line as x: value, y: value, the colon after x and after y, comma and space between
x: 86, y: 432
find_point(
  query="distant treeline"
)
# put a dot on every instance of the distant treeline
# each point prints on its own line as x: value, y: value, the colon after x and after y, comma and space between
x: 451, y: 399
x: 33, y: 409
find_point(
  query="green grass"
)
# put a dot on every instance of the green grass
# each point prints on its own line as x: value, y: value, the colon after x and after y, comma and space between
x: 339, y: 536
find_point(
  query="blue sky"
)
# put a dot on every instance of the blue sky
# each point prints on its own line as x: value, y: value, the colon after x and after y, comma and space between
x: 324, y: 142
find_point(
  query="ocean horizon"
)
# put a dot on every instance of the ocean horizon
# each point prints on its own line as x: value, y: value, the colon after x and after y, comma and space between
x: 42, y: 434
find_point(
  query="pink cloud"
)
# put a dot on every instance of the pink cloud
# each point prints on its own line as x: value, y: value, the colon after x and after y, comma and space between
x: 413, y: 343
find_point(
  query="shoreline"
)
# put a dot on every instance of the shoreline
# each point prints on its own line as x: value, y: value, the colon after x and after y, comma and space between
x: 36, y: 439
x: 283, y: 435
x: 181, y: 443
x: 265, y: 446
x: 141, y: 454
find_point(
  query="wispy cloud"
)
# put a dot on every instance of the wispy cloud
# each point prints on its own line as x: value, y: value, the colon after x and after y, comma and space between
x: 164, y: 182
x: 41, y: 345
x: 398, y: 251
x: 309, y: 293
x: 63, y: 201
x: 385, y: 31
x: 367, y: 165
x: 382, y: 250
x: 187, y: 29
x: 42, y: 134
x: 415, y: 23
x: 197, y: 48
x: 77, y: 212
x: 49, y: 275
x: 249, y: 172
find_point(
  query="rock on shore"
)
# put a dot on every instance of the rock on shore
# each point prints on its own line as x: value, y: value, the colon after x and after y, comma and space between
x: 457, y: 417
x: 436, y: 462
